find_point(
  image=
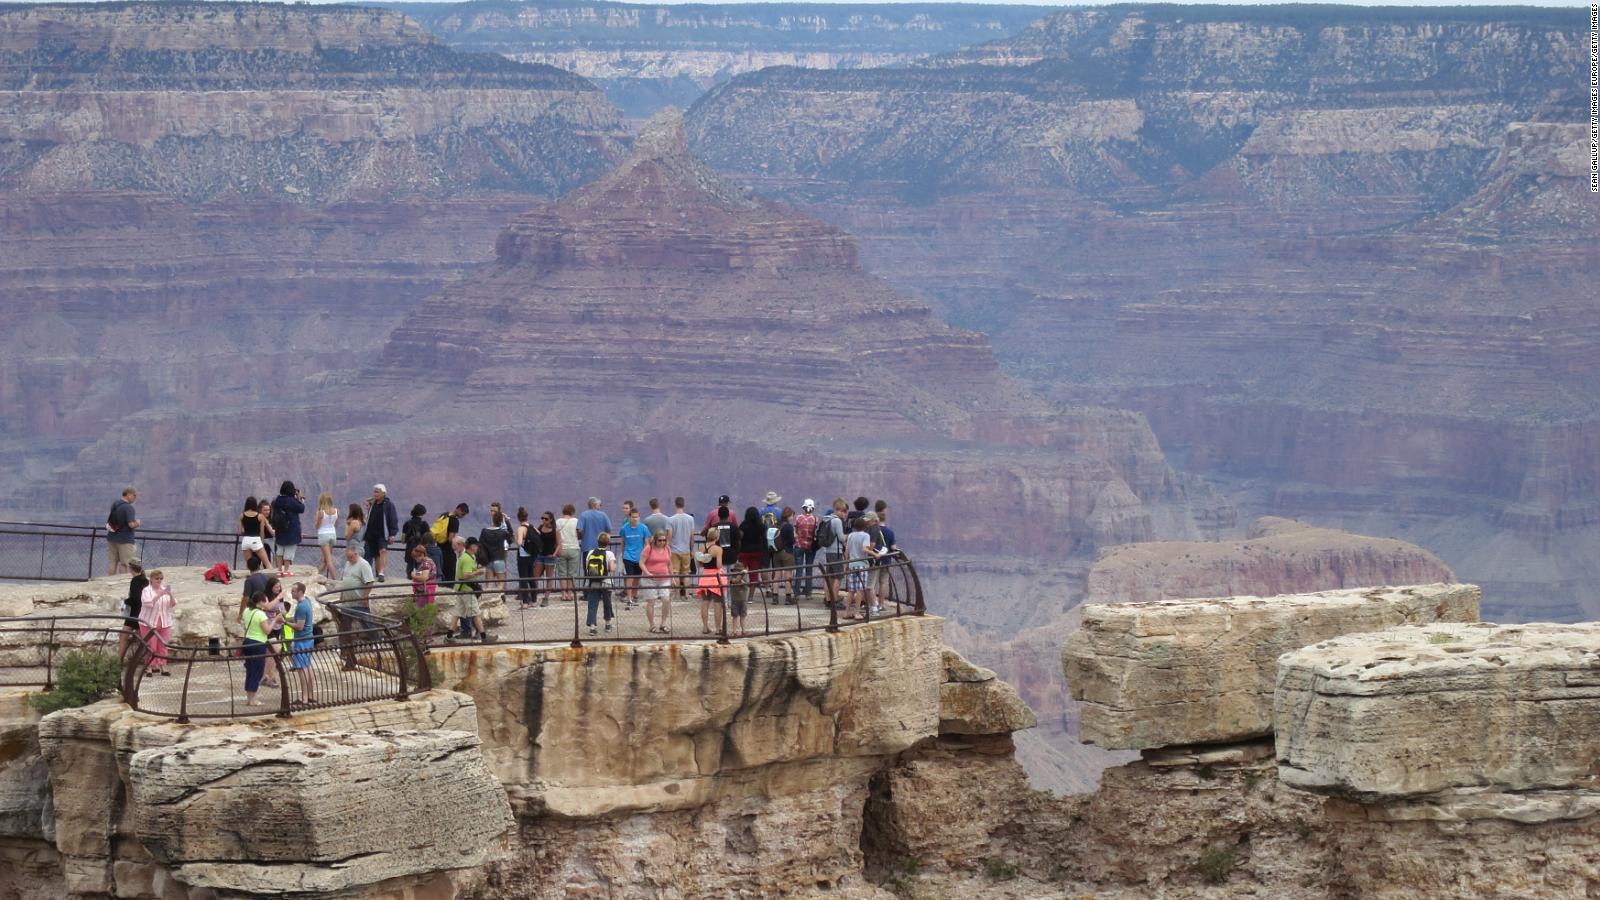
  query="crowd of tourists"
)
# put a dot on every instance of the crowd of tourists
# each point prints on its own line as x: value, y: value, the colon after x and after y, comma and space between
x: 645, y: 557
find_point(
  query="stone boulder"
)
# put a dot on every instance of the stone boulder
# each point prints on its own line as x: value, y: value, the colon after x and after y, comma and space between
x: 1413, y: 711
x: 972, y: 700
x: 1201, y: 671
x: 316, y: 812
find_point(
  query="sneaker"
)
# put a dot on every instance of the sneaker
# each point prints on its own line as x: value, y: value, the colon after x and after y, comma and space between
x: 608, y: 628
x: 593, y: 632
x: 877, y: 607
x: 545, y: 602
x: 380, y: 577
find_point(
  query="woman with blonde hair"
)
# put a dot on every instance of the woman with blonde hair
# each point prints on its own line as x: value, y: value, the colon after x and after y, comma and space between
x: 327, y: 532
x: 155, y: 621
x: 713, y: 585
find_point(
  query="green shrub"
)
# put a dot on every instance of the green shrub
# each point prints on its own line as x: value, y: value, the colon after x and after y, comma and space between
x: 420, y: 620
x: 1216, y: 864
x: 81, y: 678
x: 998, y: 869
x: 1442, y: 637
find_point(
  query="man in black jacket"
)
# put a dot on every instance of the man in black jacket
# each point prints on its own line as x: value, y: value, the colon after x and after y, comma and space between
x: 383, y: 523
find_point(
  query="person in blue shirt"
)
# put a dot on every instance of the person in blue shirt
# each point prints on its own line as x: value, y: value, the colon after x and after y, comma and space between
x: 591, y: 522
x: 634, y: 534
x: 303, y: 621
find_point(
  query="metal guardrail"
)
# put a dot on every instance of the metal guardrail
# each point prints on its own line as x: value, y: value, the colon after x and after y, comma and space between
x: 547, y: 609
x: 31, y: 646
x: 43, y: 551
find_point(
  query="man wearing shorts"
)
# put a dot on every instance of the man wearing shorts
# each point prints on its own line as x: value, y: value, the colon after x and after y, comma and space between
x: 833, y: 555
x: 680, y: 541
x: 120, y: 527
x: 302, y: 621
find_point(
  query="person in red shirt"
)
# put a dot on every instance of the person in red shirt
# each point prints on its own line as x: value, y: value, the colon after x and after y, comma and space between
x: 805, y: 548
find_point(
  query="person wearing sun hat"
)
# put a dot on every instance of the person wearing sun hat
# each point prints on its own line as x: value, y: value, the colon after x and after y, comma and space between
x: 805, y: 548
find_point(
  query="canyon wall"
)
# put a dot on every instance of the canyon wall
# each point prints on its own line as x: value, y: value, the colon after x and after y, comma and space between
x: 223, y: 203
x: 1339, y: 258
x: 647, y: 57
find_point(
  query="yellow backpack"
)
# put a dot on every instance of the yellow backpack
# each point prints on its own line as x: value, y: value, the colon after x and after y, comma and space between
x: 441, y: 529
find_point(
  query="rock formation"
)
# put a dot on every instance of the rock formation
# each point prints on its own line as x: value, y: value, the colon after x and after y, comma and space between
x: 201, y: 101
x: 647, y: 57
x: 1202, y: 671
x: 1337, y: 257
x: 1476, y: 760
x: 1279, y: 556
x: 606, y: 299
x: 230, y: 813
x: 224, y: 204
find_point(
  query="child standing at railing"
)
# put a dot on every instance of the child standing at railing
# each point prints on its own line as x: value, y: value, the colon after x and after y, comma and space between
x: 739, y: 586
x: 155, y: 618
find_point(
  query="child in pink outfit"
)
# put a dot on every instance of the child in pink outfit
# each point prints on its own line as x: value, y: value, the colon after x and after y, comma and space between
x: 155, y: 621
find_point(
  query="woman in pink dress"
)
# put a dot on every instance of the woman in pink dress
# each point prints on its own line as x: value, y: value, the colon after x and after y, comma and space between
x: 155, y: 621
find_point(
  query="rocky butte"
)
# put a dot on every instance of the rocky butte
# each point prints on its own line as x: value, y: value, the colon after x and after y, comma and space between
x: 1342, y: 258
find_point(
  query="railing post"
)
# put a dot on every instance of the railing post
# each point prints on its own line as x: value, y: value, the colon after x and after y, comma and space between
x: 94, y: 538
x: 722, y: 609
x: 50, y: 657
x: 833, y: 614
x: 283, y: 682
x: 400, y: 661
x: 575, y: 642
x: 183, y: 695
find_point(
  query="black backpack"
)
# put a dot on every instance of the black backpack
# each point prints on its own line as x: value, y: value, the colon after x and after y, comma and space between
x: 533, y: 542
x: 277, y: 518
x: 824, y: 537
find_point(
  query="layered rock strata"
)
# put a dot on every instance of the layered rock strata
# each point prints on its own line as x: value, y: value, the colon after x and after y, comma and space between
x: 1459, y: 759
x: 605, y: 298
x: 1200, y: 671
x: 1238, y: 222
x: 100, y: 828
x: 1418, y: 710
x: 1278, y: 556
x: 344, y: 810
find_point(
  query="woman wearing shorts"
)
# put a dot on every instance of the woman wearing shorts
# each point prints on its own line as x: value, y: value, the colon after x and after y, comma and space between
x: 251, y: 529
x: 712, y: 587
x: 544, y: 567
x: 327, y: 532
x: 656, y: 561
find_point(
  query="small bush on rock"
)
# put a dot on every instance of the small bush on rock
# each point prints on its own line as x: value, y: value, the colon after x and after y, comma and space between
x: 1216, y: 864
x: 998, y: 869
x: 81, y: 678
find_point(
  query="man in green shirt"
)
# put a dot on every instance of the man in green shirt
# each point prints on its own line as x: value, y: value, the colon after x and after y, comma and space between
x: 469, y: 588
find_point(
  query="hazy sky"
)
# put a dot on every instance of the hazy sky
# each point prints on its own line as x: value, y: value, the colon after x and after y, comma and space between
x: 1576, y: 4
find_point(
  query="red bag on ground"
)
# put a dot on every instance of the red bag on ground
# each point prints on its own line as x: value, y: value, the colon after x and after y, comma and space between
x: 220, y: 573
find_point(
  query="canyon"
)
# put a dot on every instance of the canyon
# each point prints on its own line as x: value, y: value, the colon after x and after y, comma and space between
x: 1341, y: 260
x: 648, y: 57
x: 225, y: 204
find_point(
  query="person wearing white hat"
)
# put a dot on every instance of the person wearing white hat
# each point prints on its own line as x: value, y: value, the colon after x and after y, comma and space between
x: 805, y: 548
x: 383, y: 523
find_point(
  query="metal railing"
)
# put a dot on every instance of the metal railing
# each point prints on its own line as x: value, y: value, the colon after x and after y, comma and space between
x: 43, y: 551
x: 368, y: 659
x: 547, y: 609
x: 32, y: 646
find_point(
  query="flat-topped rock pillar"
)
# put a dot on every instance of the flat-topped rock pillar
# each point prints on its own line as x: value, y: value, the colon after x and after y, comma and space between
x: 1458, y: 760
x: 1173, y: 672
x: 1419, y: 710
